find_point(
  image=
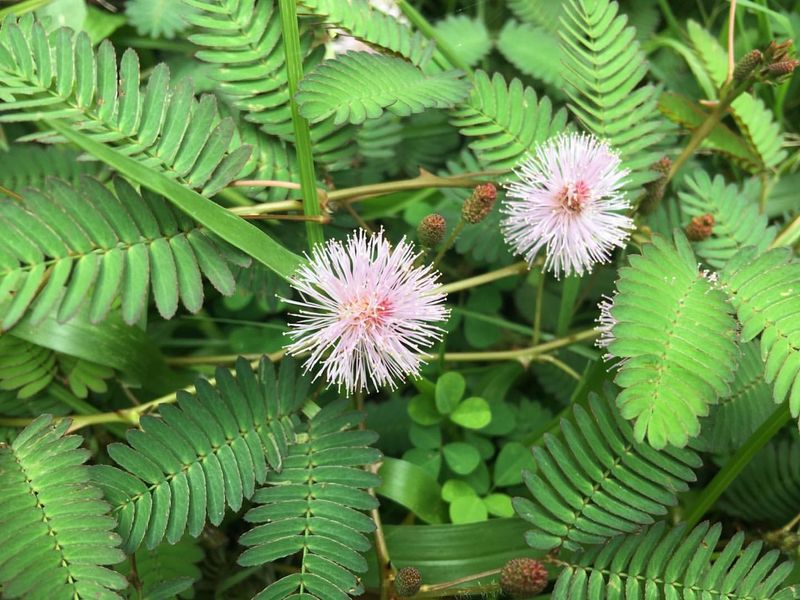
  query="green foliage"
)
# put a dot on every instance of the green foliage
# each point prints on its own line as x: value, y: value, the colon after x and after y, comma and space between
x: 604, y: 69
x: 768, y: 490
x: 491, y: 114
x: 157, y: 18
x: 737, y: 416
x: 544, y: 13
x: 359, y: 85
x: 168, y: 571
x: 61, y: 77
x: 755, y: 121
x: 599, y: 481
x: 737, y: 220
x: 676, y: 564
x: 534, y: 50
x: 676, y: 342
x: 469, y: 37
x: 29, y: 165
x: 27, y: 369
x: 88, y: 247
x: 313, y: 506
x: 361, y: 20
x: 762, y: 288
x: 207, y: 453
x: 58, y: 532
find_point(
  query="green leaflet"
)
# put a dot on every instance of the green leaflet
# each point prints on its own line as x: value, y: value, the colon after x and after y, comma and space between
x: 503, y: 136
x: 674, y: 563
x: 61, y: 77
x: 534, y: 50
x: 469, y: 37
x: 234, y: 230
x: 676, y: 341
x: 205, y: 454
x: 56, y: 548
x: 605, y: 67
x: 763, y: 290
x: 314, y: 506
x: 597, y: 481
x: 737, y: 222
x: 359, y: 85
x: 86, y: 248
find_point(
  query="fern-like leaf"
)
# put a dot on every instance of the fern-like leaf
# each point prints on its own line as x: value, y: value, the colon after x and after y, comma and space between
x: 57, y: 533
x: 738, y: 415
x: 169, y: 571
x: 508, y: 120
x: 604, y: 67
x: 27, y: 165
x: 599, y: 481
x: 250, y: 70
x: 676, y: 339
x: 361, y: 20
x: 201, y: 456
x: 468, y: 37
x: 360, y: 85
x: 70, y: 248
x: 755, y: 121
x: 737, y: 221
x: 671, y: 563
x: 313, y: 506
x: 534, y: 50
x: 61, y: 77
x: 763, y: 288
x: 157, y: 18
x: 544, y: 13
x: 768, y: 489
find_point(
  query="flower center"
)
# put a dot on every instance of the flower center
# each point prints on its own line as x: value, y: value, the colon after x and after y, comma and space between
x: 367, y: 311
x: 573, y: 196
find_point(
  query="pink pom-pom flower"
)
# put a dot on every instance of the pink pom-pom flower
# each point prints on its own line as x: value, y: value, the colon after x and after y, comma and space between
x: 568, y: 200
x: 365, y: 312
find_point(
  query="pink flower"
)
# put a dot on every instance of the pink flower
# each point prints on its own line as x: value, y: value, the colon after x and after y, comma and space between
x: 365, y: 312
x: 567, y: 200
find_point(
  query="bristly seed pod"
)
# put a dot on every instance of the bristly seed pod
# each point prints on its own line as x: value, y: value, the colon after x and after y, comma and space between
x: 431, y: 229
x: 700, y: 227
x: 478, y: 206
x: 746, y: 65
x: 523, y: 577
x: 407, y: 582
x: 782, y: 68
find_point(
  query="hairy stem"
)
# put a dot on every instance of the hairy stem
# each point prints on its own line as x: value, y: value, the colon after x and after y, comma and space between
x: 302, y: 134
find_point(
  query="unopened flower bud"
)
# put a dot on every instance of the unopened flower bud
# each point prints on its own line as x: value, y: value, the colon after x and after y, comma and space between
x: 523, y: 578
x: 778, y: 70
x: 431, y: 230
x: 407, y: 582
x: 746, y: 65
x: 777, y: 52
x: 478, y: 206
x: 700, y: 227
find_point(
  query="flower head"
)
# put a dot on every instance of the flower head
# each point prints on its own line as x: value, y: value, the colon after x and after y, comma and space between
x: 365, y: 311
x: 567, y: 200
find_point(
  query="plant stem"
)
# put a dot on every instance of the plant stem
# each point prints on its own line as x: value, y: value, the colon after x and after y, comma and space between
x: 537, y: 310
x: 731, y: 29
x: 20, y: 8
x: 465, y: 284
x: 451, y: 239
x: 523, y: 354
x: 267, y: 207
x: 424, y: 180
x: 302, y: 134
x: 737, y: 463
x: 428, y: 30
x: 789, y: 235
x: 426, y: 591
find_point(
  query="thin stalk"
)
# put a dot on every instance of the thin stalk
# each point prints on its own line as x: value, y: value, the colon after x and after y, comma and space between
x: 424, y: 180
x: 429, y: 32
x: 427, y: 591
x: 523, y: 354
x: 322, y: 219
x: 789, y: 235
x: 302, y: 134
x: 737, y: 463
x: 559, y: 364
x: 451, y: 239
x: 267, y: 207
x: 471, y: 282
x: 731, y: 29
x: 20, y: 8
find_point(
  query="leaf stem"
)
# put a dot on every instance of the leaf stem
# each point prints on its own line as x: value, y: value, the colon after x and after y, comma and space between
x: 737, y: 463
x: 451, y: 239
x: 302, y: 134
x: 523, y: 354
x: 464, y: 284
